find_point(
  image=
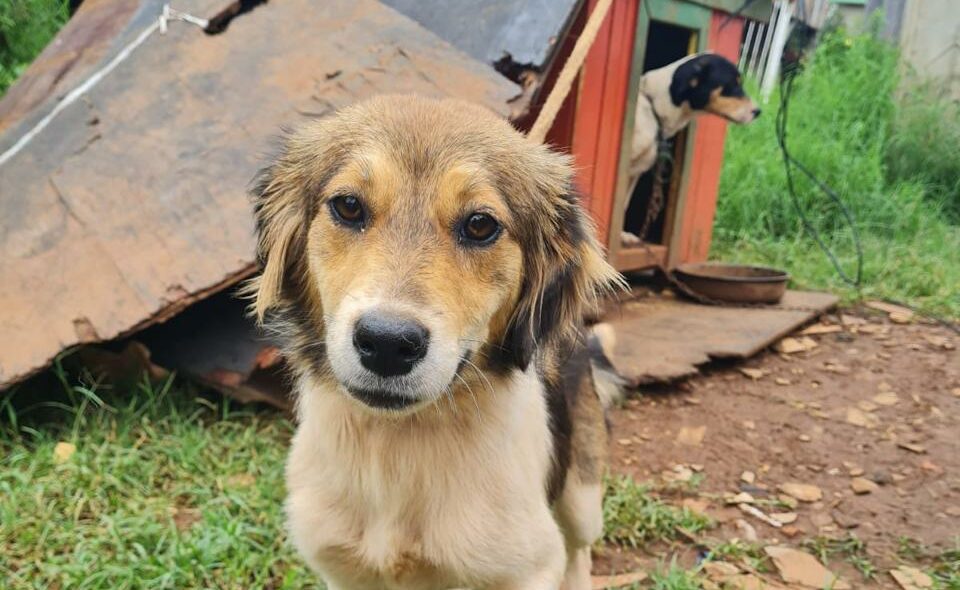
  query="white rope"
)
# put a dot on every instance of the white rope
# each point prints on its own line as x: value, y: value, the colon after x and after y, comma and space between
x: 96, y: 77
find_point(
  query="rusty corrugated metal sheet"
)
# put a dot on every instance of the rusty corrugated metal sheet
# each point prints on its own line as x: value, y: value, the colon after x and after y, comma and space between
x: 131, y: 205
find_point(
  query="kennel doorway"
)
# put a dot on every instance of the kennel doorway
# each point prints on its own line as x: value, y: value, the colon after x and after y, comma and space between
x: 666, y: 32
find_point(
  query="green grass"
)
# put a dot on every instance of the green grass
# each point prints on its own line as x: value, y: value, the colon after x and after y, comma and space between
x: 145, y: 461
x: 892, y: 161
x: 634, y: 517
x: 849, y: 548
x: 26, y: 26
x: 674, y: 577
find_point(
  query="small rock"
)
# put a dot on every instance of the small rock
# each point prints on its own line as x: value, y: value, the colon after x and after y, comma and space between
x: 749, y: 424
x: 901, y: 318
x: 696, y: 505
x: 753, y: 373
x: 886, y: 398
x: 791, y: 531
x: 679, y: 473
x: 818, y: 329
x: 784, y: 517
x: 953, y: 510
x: 63, y: 451
x: 855, y: 472
x: 719, y: 569
x: 802, y: 492
x: 955, y: 392
x: 746, y: 531
x: 857, y: 417
x: 795, y: 345
x: 748, y: 477
x: 625, y: 441
x: 882, y: 477
x: 798, y: 567
x: 910, y: 578
x: 861, y: 485
x: 867, y: 406
x: 691, y: 436
x: 741, y: 498
x: 930, y: 466
x: 696, y: 467
x: 821, y: 519
x: 781, y: 381
x: 913, y: 448
x: 804, y: 438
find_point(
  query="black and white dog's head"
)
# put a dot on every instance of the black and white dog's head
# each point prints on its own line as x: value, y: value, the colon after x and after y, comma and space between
x: 711, y: 83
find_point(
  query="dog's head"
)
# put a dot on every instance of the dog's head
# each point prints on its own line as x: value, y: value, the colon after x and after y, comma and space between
x: 405, y: 238
x: 711, y: 83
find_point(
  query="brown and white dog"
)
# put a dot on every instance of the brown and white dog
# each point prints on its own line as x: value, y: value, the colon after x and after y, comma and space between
x: 671, y: 96
x: 427, y: 268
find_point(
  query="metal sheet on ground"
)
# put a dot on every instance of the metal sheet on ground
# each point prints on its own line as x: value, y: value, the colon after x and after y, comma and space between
x: 660, y: 338
x: 132, y: 204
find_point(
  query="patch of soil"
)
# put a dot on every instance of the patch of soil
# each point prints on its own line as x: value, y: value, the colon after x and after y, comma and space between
x: 876, y: 400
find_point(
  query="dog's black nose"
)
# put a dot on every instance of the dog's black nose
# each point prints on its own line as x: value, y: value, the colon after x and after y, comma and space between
x: 389, y: 345
x: 756, y: 113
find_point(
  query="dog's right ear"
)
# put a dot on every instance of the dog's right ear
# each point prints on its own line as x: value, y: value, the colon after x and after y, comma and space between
x: 283, y: 195
x: 687, y: 84
x: 280, y: 219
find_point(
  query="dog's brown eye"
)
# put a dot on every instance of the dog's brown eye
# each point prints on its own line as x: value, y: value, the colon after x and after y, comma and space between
x: 479, y: 229
x: 348, y: 210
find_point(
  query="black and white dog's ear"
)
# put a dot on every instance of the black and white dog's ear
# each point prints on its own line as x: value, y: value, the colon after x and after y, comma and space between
x: 688, y: 81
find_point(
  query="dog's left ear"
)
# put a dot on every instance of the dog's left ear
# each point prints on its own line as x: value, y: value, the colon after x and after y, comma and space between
x: 566, y: 272
x: 688, y: 81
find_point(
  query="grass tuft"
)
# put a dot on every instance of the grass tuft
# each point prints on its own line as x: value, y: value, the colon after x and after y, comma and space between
x: 634, y: 517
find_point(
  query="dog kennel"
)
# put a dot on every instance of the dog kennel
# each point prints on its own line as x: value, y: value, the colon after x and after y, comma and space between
x: 596, y: 122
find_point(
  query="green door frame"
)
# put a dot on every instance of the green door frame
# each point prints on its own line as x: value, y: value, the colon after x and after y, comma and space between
x: 674, y: 12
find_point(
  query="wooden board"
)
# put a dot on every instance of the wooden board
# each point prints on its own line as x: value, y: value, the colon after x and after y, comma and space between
x: 661, y: 338
x: 132, y: 204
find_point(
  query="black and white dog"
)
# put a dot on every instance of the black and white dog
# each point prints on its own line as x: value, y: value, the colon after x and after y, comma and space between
x: 671, y: 96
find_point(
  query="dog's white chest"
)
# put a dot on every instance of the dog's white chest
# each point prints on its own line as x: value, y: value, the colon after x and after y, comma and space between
x: 429, y: 507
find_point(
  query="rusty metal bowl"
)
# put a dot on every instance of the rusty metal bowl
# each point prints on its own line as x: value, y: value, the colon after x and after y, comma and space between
x: 733, y: 283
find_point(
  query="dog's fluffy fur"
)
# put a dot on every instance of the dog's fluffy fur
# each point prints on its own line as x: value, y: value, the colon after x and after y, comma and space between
x: 670, y: 97
x: 491, y: 477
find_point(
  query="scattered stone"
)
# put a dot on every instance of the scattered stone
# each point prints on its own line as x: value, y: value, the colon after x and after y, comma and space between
x: 794, y: 345
x: 867, y: 406
x: 821, y: 519
x: 784, y: 517
x: 844, y: 520
x: 719, y: 569
x: 953, y: 510
x: 889, y: 308
x: 757, y: 513
x: 886, y: 398
x: 618, y: 581
x: 930, y: 466
x: 679, y: 473
x: 625, y: 441
x: 697, y: 467
x: 691, y: 436
x: 802, y: 492
x: 741, y: 498
x: 955, y: 392
x: 855, y: 472
x: 781, y: 381
x: 696, y: 505
x: 859, y: 418
x: 745, y: 531
x: 804, y: 438
x: 913, y: 448
x: 749, y: 424
x: 901, y: 318
x: 910, y: 578
x: 63, y: 451
x: 834, y: 367
x: 791, y: 531
x: 862, y: 485
x: 939, y: 342
x: 798, y: 567
x: 818, y: 329
x: 753, y: 373
x: 748, y: 477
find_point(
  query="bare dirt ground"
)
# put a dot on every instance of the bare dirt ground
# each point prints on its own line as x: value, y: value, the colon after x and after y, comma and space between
x: 868, y: 404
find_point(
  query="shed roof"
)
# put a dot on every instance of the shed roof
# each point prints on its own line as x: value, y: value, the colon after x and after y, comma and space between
x: 132, y: 203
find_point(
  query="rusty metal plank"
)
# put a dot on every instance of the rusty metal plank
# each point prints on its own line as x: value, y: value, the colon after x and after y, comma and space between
x: 659, y: 339
x: 132, y: 203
